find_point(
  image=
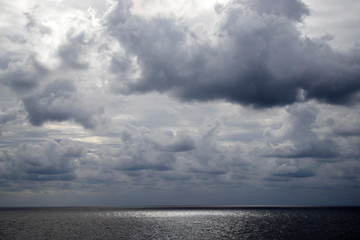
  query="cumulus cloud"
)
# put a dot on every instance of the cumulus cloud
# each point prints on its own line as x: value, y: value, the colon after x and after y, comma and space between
x: 309, y: 147
x: 59, y: 101
x: 259, y: 57
x: 296, y: 138
x: 169, y: 142
x: 22, y: 76
x: 47, y: 69
x: 253, y: 54
x: 293, y: 9
x: 292, y: 171
x: 145, y: 157
x: 139, y: 151
x: 7, y: 116
x: 33, y: 25
x: 81, y: 41
x: 50, y: 161
x: 65, y: 70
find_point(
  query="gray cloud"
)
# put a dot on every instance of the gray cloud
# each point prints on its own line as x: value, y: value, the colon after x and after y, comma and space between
x: 137, y: 153
x: 22, y: 76
x: 295, y: 173
x: 7, y: 117
x: 33, y: 25
x: 59, y: 101
x: 171, y: 143
x: 296, y: 138
x: 30, y: 71
x: 50, y: 161
x: 246, y: 52
x: 139, y: 158
x: 292, y: 9
x: 143, y: 158
x: 73, y: 51
x: 260, y: 57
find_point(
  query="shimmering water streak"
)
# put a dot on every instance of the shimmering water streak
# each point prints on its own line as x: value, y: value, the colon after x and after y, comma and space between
x: 180, y: 223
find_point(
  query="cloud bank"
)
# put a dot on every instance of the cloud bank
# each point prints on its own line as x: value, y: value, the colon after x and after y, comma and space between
x: 175, y: 102
x: 254, y: 56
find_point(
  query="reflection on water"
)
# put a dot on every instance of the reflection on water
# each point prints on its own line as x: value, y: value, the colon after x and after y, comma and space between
x: 235, y: 223
x: 178, y: 213
x: 183, y: 224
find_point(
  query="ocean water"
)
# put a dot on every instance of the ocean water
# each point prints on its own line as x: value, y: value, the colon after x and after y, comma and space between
x: 180, y: 223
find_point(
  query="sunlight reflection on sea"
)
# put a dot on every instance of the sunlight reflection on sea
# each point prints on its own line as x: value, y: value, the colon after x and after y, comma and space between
x: 180, y: 223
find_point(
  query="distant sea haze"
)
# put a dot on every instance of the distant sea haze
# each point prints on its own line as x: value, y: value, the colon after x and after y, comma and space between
x: 181, y: 223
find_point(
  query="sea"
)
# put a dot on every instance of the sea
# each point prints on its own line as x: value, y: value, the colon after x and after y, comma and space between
x: 180, y: 223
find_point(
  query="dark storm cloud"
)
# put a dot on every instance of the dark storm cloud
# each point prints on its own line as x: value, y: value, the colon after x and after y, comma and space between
x: 259, y: 58
x: 58, y: 101
x: 49, y: 161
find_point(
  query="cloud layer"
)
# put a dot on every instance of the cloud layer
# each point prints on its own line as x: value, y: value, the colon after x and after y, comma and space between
x: 175, y: 102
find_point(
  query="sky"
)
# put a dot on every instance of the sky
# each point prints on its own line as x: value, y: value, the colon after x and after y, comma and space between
x: 175, y: 102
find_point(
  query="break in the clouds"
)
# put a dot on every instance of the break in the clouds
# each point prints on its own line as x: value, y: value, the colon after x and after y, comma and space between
x: 178, y: 102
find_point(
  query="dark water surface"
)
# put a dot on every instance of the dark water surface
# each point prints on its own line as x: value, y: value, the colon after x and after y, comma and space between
x: 180, y: 223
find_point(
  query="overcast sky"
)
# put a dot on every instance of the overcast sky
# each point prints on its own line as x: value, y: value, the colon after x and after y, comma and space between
x: 156, y: 102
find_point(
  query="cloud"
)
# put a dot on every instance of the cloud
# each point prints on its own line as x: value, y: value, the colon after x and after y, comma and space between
x: 296, y: 137
x: 24, y: 75
x: 138, y: 152
x: 181, y: 142
x: 252, y: 54
x: 293, y: 172
x: 60, y: 101
x: 258, y: 57
x: 49, y: 71
x: 50, y: 161
x: 71, y: 52
x: 146, y: 157
x: 7, y: 117
x: 292, y: 9
x: 81, y: 41
x: 186, y: 128
x: 33, y: 25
